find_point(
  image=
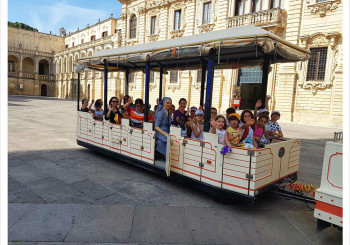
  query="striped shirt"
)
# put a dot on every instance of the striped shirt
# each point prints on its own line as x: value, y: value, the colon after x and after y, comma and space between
x: 135, y: 116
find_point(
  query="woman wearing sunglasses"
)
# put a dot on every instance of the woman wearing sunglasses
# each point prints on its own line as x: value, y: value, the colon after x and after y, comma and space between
x: 113, y: 114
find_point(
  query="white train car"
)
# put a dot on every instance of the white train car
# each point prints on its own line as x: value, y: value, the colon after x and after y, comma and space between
x: 242, y: 173
x: 329, y: 197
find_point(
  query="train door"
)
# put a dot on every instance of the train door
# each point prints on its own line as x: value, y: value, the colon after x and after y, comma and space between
x: 98, y: 131
x: 211, y: 160
x: 116, y: 138
x: 177, y: 150
x: 136, y: 143
x: 148, y: 143
x: 192, y: 158
x: 106, y: 135
x: 124, y: 134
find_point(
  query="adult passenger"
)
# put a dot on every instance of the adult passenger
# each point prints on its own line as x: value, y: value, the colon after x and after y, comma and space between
x: 113, y: 114
x: 180, y: 112
x: 84, y: 105
x: 162, y: 124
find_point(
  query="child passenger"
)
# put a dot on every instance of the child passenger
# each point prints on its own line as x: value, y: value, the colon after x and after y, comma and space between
x: 183, y: 126
x: 260, y: 134
x: 273, y: 128
x: 97, y: 114
x: 247, y: 119
x: 219, y: 128
x: 197, y: 126
x: 233, y: 133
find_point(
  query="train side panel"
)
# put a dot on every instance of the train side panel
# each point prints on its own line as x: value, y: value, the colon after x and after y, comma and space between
x: 177, y: 150
x: 148, y: 143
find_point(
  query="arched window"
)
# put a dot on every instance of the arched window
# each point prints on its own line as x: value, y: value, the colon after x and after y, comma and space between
x: 133, y: 23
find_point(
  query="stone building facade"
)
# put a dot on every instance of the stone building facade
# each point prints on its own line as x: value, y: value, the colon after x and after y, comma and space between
x: 306, y: 92
x: 31, y: 68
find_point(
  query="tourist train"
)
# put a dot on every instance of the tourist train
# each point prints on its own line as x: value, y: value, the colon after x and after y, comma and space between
x: 241, y: 174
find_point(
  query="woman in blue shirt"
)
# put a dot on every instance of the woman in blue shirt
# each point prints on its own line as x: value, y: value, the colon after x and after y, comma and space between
x: 162, y: 124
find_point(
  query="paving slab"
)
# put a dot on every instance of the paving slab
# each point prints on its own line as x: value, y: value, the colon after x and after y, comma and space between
x: 43, y: 164
x: 103, y: 223
x: 92, y: 190
x: 16, y: 211
x: 160, y: 224
x: 45, y: 223
x: 26, y: 173
x: 64, y: 175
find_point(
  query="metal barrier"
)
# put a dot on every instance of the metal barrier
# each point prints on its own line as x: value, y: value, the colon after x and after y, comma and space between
x: 338, y: 137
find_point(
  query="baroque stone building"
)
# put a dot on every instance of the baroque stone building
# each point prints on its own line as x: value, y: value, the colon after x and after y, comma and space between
x: 307, y: 92
x: 31, y: 68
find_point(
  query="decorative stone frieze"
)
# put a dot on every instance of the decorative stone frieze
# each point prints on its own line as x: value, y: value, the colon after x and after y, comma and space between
x: 177, y: 33
x: 323, y: 7
x: 206, y: 28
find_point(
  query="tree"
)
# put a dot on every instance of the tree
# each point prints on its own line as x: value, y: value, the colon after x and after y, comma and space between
x: 21, y: 26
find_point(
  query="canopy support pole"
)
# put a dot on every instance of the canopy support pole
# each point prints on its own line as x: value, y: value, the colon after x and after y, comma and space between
x: 148, y: 71
x: 105, y: 85
x: 126, y: 82
x: 264, y: 81
x: 209, y: 90
x: 78, y: 95
x: 161, y: 71
x: 204, y: 70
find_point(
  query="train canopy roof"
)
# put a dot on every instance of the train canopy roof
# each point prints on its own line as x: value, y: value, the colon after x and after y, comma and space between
x: 234, y: 47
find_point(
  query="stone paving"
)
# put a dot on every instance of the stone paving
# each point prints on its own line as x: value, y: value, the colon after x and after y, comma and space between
x: 61, y: 193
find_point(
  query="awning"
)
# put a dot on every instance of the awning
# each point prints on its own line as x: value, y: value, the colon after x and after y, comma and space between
x: 235, y: 47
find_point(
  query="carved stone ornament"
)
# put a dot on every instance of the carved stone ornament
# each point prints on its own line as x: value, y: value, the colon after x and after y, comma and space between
x: 132, y: 42
x: 206, y: 28
x: 177, y: 33
x: 196, y: 85
x: 153, y: 38
x: 323, y: 7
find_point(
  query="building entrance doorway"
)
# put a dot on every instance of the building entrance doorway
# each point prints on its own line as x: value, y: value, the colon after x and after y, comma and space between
x: 249, y: 79
x: 43, y: 90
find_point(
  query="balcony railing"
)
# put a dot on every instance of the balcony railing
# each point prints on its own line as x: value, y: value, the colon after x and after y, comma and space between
x: 43, y: 77
x: 28, y: 75
x: 267, y: 18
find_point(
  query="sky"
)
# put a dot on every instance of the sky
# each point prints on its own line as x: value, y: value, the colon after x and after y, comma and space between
x: 51, y: 15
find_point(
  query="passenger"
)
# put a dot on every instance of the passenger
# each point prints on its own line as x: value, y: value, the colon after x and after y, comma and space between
x: 219, y: 128
x: 126, y: 99
x: 179, y: 112
x: 97, y: 114
x: 213, y: 114
x: 157, y: 103
x: 260, y: 133
x: 100, y: 101
x: 84, y: 105
x: 182, y: 124
x: 136, y: 113
x: 233, y: 132
x: 192, y: 116
x: 171, y: 112
x: 247, y: 133
x: 229, y: 111
x: 263, y: 111
x: 162, y: 125
x: 113, y: 114
x: 273, y: 128
x: 197, y: 126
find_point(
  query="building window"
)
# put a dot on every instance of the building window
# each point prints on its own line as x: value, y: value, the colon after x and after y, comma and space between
x: 277, y: 4
x: 258, y: 5
x: 177, y: 19
x: 93, y: 37
x: 153, y: 25
x: 206, y: 13
x: 104, y: 34
x: 82, y: 41
x: 249, y: 75
x: 199, y: 76
x: 151, y: 77
x: 241, y: 7
x: 173, y: 76
x: 66, y: 45
x: 316, y: 68
x: 131, y: 78
x: 11, y: 66
x: 133, y: 23
x: 320, y: 1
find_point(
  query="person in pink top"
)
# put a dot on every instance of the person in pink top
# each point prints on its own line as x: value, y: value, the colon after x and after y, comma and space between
x: 260, y: 135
